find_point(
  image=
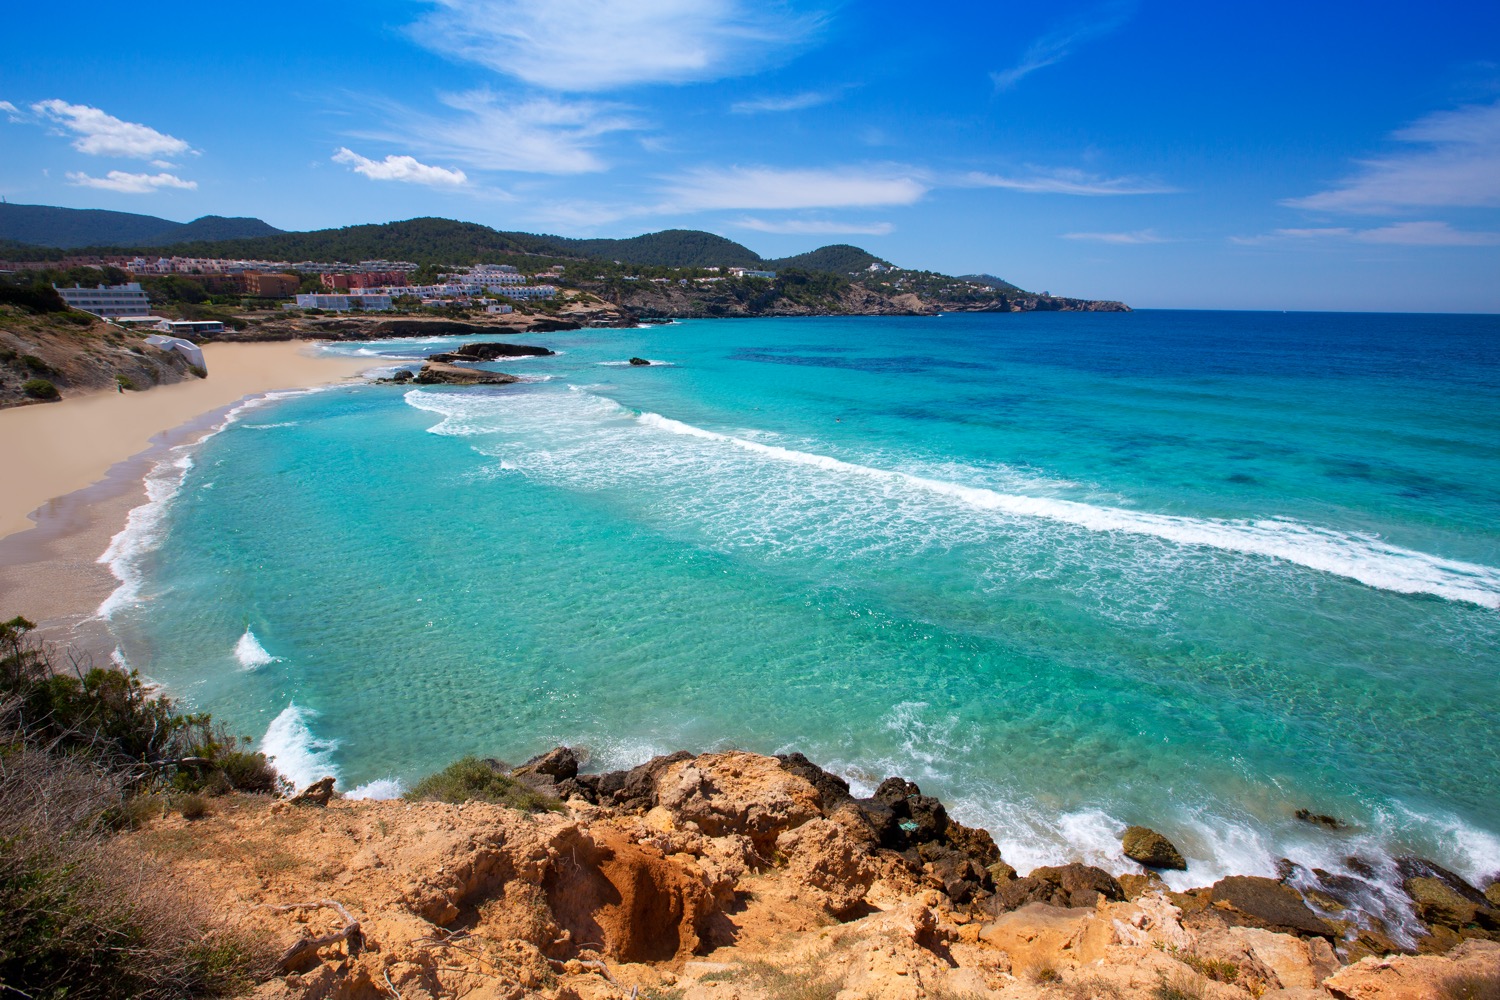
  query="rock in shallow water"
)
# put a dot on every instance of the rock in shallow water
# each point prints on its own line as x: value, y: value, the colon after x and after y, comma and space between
x: 1151, y: 849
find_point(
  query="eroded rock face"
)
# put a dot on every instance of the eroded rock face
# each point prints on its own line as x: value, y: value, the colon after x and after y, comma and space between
x: 736, y: 792
x: 1405, y: 977
x: 1151, y: 849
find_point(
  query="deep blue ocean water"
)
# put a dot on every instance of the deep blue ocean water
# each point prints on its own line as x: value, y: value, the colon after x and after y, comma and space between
x: 1068, y: 571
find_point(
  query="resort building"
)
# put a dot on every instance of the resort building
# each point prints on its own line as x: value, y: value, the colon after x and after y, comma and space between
x: 343, y: 303
x: 745, y: 272
x: 191, y: 327
x: 108, y: 301
x: 271, y: 286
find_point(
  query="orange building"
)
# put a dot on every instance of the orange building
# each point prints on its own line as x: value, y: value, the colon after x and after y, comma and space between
x: 271, y: 286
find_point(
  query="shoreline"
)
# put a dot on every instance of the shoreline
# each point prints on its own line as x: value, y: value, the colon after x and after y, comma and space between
x: 76, y: 469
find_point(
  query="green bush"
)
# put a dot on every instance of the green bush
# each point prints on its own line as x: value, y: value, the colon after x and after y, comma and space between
x: 472, y: 779
x: 37, y: 365
x: 39, y: 388
x: 125, y: 382
x: 198, y: 370
x: 108, y: 716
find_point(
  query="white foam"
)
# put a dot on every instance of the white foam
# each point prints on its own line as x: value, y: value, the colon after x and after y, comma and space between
x: 1362, y: 557
x: 291, y: 747
x: 627, y: 364
x: 251, y: 654
x: 270, y: 427
x: 380, y: 788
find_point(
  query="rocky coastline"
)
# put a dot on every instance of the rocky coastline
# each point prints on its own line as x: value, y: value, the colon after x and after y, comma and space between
x: 738, y: 875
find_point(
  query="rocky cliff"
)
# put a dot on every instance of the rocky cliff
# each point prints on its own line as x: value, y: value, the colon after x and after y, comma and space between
x: 734, y: 876
x: 74, y: 352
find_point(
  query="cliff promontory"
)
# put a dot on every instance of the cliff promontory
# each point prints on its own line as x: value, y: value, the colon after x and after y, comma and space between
x: 735, y: 876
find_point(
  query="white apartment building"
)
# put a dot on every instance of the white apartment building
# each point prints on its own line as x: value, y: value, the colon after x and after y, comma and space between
x: 343, y: 302
x: 745, y: 272
x: 109, y: 301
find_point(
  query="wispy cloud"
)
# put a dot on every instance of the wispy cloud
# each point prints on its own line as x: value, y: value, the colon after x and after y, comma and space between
x: 793, y: 102
x: 591, y: 45
x: 815, y: 227
x: 542, y: 135
x: 102, y: 134
x: 124, y: 183
x: 1059, y: 43
x: 1067, y: 181
x: 1124, y: 239
x: 1458, y: 165
x: 401, y: 168
x: 1409, y: 234
x: 764, y: 188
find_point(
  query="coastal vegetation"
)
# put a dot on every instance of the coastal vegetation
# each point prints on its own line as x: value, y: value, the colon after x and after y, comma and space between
x: 471, y: 779
x: 84, y: 752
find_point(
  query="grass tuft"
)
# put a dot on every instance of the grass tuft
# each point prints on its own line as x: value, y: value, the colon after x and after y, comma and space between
x: 473, y: 780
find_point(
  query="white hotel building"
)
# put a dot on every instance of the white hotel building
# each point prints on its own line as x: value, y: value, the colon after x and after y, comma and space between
x: 109, y: 301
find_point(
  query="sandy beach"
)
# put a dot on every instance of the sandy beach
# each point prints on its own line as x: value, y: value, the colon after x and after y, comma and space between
x: 75, y: 469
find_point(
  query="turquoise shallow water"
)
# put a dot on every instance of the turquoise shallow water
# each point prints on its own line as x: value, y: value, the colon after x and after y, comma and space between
x: 1068, y: 571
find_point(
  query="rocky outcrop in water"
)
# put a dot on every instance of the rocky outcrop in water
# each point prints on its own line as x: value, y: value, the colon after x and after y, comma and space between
x: 1146, y: 846
x: 490, y: 350
x: 437, y: 373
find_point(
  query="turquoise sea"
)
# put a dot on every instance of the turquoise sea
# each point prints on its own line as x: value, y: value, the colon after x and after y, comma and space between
x: 1068, y: 571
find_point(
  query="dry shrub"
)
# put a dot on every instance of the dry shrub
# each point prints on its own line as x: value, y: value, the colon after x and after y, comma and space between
x: 87, y: 918
x: 1044, y: 974
x: 1179, y: 988
x: 1093, y: 988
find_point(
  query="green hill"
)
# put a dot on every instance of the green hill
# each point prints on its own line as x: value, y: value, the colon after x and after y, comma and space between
x: 841, y: 258
x: 668, y: 248
x: 70, y: 228
x: 424, y: 241
x: 999, y: 284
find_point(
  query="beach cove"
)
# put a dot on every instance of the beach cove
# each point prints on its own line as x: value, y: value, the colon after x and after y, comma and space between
x: 1066, y: 573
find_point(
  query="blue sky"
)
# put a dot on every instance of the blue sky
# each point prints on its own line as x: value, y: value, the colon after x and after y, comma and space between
x: 1277, y: 155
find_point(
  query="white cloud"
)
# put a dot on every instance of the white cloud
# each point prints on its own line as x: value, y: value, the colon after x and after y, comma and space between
x: 1067, y: 181
x: 401, y: 168
x: 101, y: 134
x: 1139, y: 236
x: 763, y: 188
x: 590, y: 45
x: 815, y: 227
x: 1058, y: 44
x: 794, y: 102
x: 124, y: 183
x: 528, y: 135
x: 1458, y: 165
x: 1409, y: 234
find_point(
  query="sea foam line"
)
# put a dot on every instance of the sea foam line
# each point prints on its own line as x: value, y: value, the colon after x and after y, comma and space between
x: 1364, y: 558
x: 143, y: 525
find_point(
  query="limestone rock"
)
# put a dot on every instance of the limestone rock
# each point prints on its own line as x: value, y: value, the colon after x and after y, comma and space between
x: 1264, y: 902
x: 638, y: 362
x: 1151, y: 849
x: 1492, y: 893
x: 1443, y: 898
x: 737, y: 792
x: 1407, y: 976
x: 1073, y: 885
x: 831, y: 857
x: 316, y: 794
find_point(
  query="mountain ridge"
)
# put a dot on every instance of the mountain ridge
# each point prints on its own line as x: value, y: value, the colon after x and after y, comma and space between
x: 424, y: 240
x: 73, y: 228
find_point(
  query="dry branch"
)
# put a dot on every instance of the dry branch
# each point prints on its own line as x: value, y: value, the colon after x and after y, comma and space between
x: 350, y: 935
